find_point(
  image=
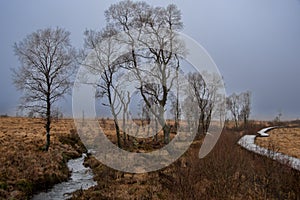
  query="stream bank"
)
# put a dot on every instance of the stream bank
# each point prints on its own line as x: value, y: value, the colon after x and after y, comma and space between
x: 81, y: 178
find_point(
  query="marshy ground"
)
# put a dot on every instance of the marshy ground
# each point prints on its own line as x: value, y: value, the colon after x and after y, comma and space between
x: 24, y: 167
x: 228, y: 172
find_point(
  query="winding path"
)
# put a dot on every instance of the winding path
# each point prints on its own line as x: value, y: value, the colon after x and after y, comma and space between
x: 248, y: 142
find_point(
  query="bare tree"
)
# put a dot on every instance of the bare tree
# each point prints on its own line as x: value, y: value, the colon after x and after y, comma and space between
x: 146, y: 115
x: 108, y: 68
x: 46, y: 57
x: 175, y: 108
x: 220, y: 108
x: 234, y: 106
x: 56, y: 113
x: 191, y: 113
x: 239, y: 106
x: 124, y: 97
x: 245, y: 99
x: 278, y: 117
x: 202, y: 95
x: 151, y: 27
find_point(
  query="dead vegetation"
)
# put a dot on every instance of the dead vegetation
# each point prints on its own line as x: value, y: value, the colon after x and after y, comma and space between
x: 228, y: 172
x: 286, y: 140
x: 24, y: 167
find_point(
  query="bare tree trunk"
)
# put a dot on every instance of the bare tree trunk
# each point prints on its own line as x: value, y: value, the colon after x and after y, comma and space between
x: 177, y: 112
x: 176, y: 124
x: 156, y: 131
x: 148, y: 128
x: 236, y: 122
x: 117, y: 132
x: 124, y: 130
x: 207, y: 122
x: 201, y: 124
x: 48, y: 123
x: 166, y: 130
x: 199, y: 131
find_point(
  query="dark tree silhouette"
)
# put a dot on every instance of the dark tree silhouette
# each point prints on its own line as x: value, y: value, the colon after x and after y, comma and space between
x: 47, y: 63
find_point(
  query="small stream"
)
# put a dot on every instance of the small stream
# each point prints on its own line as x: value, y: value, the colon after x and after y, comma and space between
x: 81, y: 178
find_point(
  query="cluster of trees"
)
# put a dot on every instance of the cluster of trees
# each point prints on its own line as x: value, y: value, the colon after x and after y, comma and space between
x: 154, y: 64
x: 48, y: 62
x: 153, y: 68
x: 239, y: 106
x: 202, y: 97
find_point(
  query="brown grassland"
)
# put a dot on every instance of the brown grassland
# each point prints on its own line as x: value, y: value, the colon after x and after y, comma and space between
x: 24, y: 167
x: 228, y: 172
x: 284, y: 140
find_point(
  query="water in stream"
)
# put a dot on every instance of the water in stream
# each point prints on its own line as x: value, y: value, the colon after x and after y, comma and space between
x: 81, y: 178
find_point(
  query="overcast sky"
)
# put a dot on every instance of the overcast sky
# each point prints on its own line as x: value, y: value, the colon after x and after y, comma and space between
x: 255, y: 43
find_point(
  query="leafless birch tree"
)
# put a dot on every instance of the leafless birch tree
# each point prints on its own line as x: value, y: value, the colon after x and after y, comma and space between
x: 239, y: 106
x: 44, y: 76
x: 202, y: 96
x: 153, y: 27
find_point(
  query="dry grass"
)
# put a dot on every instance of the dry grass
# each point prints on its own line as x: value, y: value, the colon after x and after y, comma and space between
x: 132, y: 144
x: 228, y: 172
x: 24, y: 167
x: 286, y: 140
